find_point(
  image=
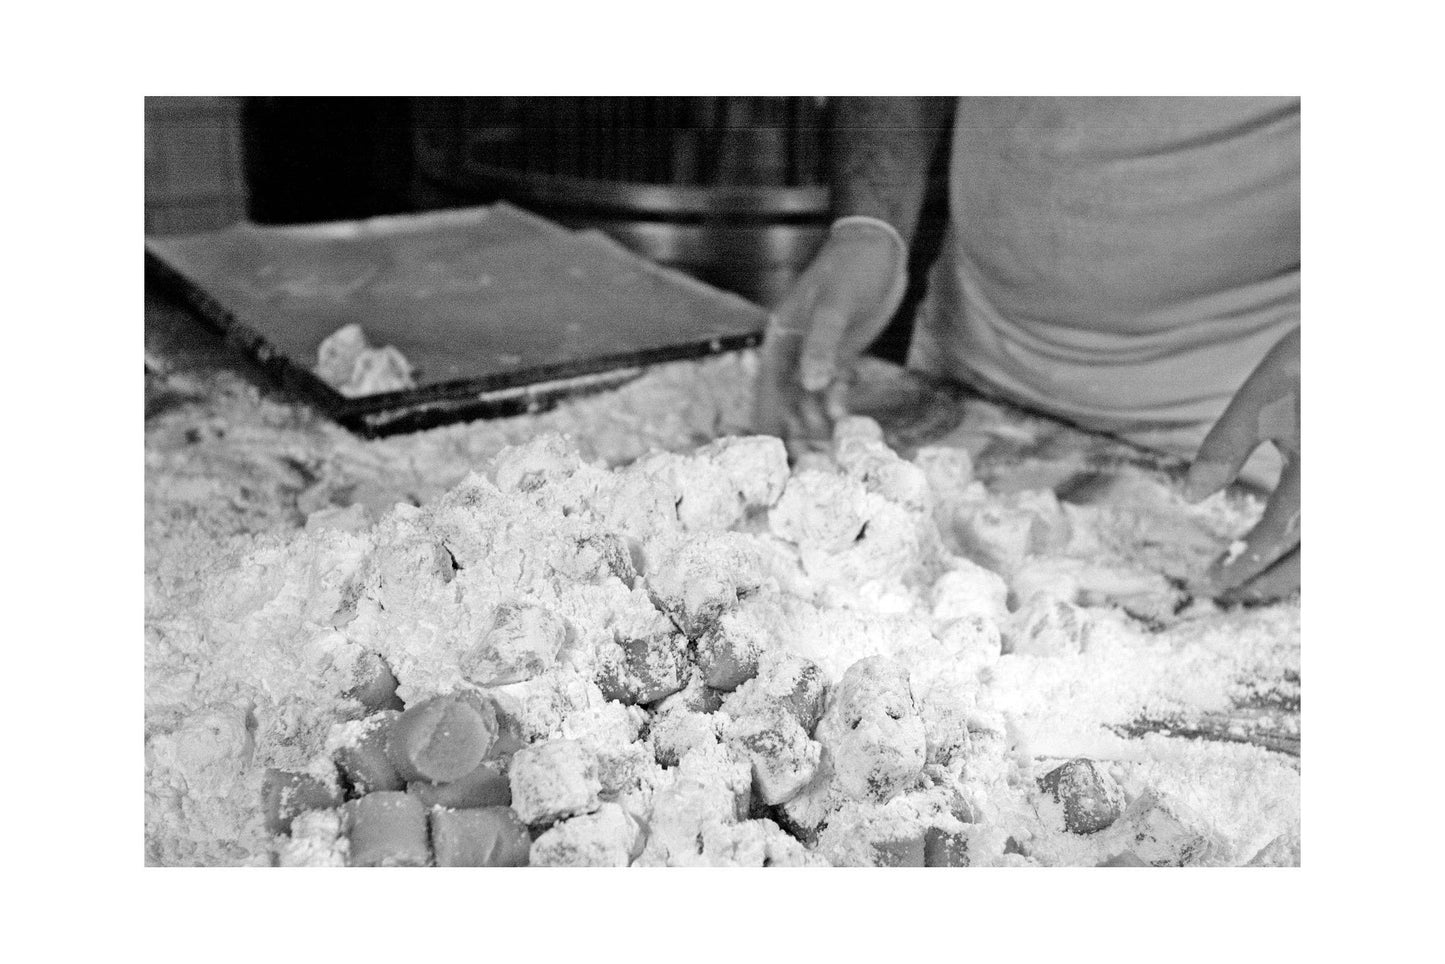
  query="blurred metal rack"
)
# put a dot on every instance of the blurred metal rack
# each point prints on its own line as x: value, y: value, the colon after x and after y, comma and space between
x: 729, y: 189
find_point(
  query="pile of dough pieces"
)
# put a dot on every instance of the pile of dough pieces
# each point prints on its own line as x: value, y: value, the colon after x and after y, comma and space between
x: 702, y: 659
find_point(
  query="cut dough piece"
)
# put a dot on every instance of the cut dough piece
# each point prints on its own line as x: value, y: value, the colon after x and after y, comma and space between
x: 348, y: 363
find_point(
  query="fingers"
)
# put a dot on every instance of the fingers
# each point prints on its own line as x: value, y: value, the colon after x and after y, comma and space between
x: 1227, y: 446
x: 820, y: 347
x: 855, y: 292
x: 835, y: 400
x: 835, y: 309
x: 782, y: 407
x: 1279, y: 421
x: 1266, y: 408
x: 772, y: 403
x: 812, y: 421
x: 1276, y: 534
x: 1279, y: 580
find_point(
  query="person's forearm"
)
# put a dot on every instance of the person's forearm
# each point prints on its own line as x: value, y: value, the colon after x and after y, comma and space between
x: 882, y: 148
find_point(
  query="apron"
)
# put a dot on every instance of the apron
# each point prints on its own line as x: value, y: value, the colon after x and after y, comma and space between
x: 1120, y: 263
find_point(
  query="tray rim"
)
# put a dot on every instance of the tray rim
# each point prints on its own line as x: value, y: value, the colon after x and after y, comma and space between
x: 490, y: 396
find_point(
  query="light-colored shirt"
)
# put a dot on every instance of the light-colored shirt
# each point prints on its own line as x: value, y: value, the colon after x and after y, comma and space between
x: 1122, y: 263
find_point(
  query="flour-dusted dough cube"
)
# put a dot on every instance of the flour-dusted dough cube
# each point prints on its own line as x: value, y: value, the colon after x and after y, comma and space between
x: 522, y: 643
x: 285, y: 795
x: 871, y: 834
x: 703, y: 497
x: 643, y: 669
x: 784, y: 759
x: 781, y: 849
x: 1002, y: 533
x: 904, y: 850
x: 734, y: 646
x: 317, y: 840
x: 710, y: 787
x: 535, y: 463
x: 1000, y: 538
x: 338, y: 352
x: 388, y: 829
x: 881, y: 471
x: 1161, y: 833
x: 949, y: 469
x: 677, y: 731
x: 945, y: 703
x: 362, y: 754
x: 698, y: 578
x: 967, y: 589
x: 742, y: 844
x: 603, y: 723
x: 1090, y: 798
x: 820, y: 510
x: 785, y: 681
x: 417, y: 560
x: 637, y: 506
x: 482, y: 837
x: 625, y: 771
x: 713, y: 488
x: 537, y: 709
x: 945, y: 848
x: 695, y: 695
x: 614, y: 556
x: 610, y: 837
x: 554, y: 780
x: 805, y: 814
x: 892, y: 546
x: 975, y: 642
x: 443, y: 738
x: 756, y: 466
x: 1282, y: 851
x: 723, y: 769
x: 728, y: 652
x: 746, y: 843
x: 1048, y: 628
x: 378, y: 370
x: 680, y: 814
x: 873, y: 731
x: 751, y: 843
x: 348, y: 362
x: 375, y: 686
x: 856, y: 427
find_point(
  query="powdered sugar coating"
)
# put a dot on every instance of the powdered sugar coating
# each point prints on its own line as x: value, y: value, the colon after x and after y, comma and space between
x: 553, y: 780
x: 253, y: 645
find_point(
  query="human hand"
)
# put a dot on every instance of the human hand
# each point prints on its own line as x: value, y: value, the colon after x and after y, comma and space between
x: 1265, y: 409
x: 814, y: 338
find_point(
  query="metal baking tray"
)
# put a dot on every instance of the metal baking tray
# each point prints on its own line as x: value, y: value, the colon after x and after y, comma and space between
x: 499, y: 311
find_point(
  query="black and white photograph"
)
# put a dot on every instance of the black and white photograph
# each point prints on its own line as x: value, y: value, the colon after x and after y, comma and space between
x: 645, y: 480
x: 723, y: 481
